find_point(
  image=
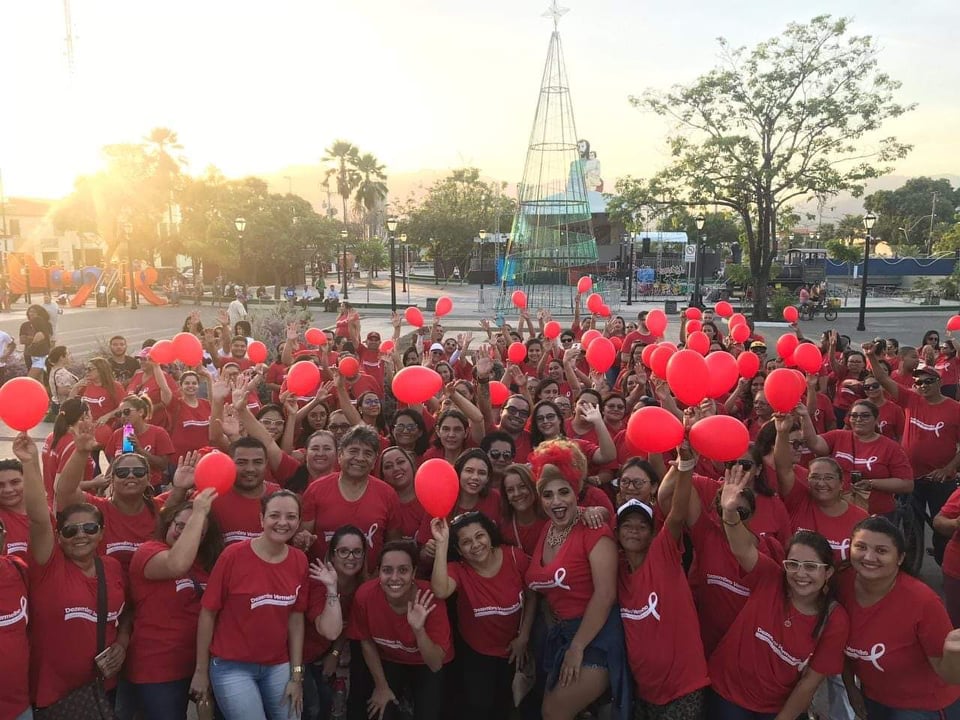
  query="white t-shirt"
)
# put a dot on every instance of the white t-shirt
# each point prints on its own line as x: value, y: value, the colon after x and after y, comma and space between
x: 6, y: 343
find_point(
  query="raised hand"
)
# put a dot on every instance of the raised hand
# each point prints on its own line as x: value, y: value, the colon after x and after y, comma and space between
x: 325, y: 574
x: 419, y: 610
x: 734, y: 482
x: 25, y: 449
x: 203, y: 501
x: 84, y: 437
x: 395, y: 319
x: 440, y: 530
x: 221, y: 390
x: 592, y: 414
x: 223, y: 318
x: 186, y: 466
x: 293, y: 331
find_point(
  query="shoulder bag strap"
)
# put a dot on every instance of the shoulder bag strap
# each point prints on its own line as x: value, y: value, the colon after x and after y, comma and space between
x: 101, y: 605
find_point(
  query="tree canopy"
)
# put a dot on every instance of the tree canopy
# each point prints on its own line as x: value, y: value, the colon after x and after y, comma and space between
x: 911, y: 207
x: 786, y: 121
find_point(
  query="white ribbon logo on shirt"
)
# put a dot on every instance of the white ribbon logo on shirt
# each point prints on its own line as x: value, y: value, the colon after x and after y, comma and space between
x: 872, y: 657
x: 857, y: 461
x: 646, y: 611
x: 929, y: 428
x: 16, y: 616
x: 371, y: 533
x: 94, y: 401
x: 558, y: 577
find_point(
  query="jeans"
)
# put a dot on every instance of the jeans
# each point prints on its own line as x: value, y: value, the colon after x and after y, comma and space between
x: 248, y: 691
x: 830, y: 700
x: 878, y: 711
x: 164, y: 700
x: 719, y: 708
x: 25, y: 715
x: 928, y: 497
x: 317, y: 694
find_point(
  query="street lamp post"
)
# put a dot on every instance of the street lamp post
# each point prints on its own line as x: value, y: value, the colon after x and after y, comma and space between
x: 868, y: 222
x: 630, y: 269
x: 436, y: 267
x: 346, y: 278
x: 128, y: 231
x: 403, y: 263
x: 483, y: 237
x: 392, y: 230
x: 696, y: 300
x: 241, y: 224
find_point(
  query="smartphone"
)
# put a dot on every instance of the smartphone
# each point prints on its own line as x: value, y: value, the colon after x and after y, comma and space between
x: 855, y: 477
x: 127, y: 446
x: 500, y: 320
x: 99, y: 659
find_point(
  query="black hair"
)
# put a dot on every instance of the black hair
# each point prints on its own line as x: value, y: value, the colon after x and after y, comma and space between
x: 544, y: 382
x: 449, y: 413
x: 871, y: 406
x: 307, y: 430
x: 360, y: 435
x: 266, y: 499
x: 469, y: 518
x: 475, y: 454
x: 247, y: 442
x: 71, y: 510
x: 422, y: 442
x: 880, y: 524
x: 536, y: 437
x: 71, y: 411
x: 405, y: 546
x: 11, y: 464
x: 340, y: 533
x: 644, y: 465
x: 498, y: 436
x: 821, y: 546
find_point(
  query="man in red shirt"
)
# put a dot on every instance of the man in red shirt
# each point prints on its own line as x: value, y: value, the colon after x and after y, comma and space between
x: 370, y: 361
x: 13, y: 509
x: 931, y: 437
x: 909, y: 360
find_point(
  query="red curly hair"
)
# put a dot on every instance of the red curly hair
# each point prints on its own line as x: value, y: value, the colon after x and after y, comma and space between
x: 559, y: 459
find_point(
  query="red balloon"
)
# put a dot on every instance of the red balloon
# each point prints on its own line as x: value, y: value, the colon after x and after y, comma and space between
x: 617, y: 342
x: 786, y: 344
x: 23, y: 403
x: 698, y: 341
x: 588, y: 337
x: 656, y: 322
x: 257, y: 352
x: 654, y: 430
x: 723, y: 309
x: 647, y: 353
x: 416, y: 384
x: 303, y: 378
x: 444, y: 306
x: 953, y: 323
x: 605, y: 311
x: 163, y: 352
x: 594, y: 302
x: 348, y: 366
x: 387, y: 346
x: 517, y: 352
x: 720, y: 437
x: 723, y: 371
x: 740, y: 333
x: 584, y: 284
x: 791, y: 314
x: 437, y: 486
x: 808, y: 357
x: 601, y: 354
x: 693, y: 313
x: 694, y: 326
x: 315, y: 336
x: 552, y: 330
x: 414, y: 316
x: 737, y: 319
x: 187, y: 347
x: 782, y: 390
x: 519, y: 298
x: 660, y: 358
x: 215, y: 470
x: 687, y: 376
x: 749, y: 364
x: 499, y: 393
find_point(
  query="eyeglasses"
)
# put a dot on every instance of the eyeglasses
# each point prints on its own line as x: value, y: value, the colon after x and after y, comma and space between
x: 178, y: 526
x: 71, y: 530
x: 822, y: 478
x: 498, y: 454
x: 126, y: 411
x: 566, y: 340
x: 405, y: 427
x: 859, y: 416
x: 871, y: 386
x: 125, y: 472
x: 636, y: 483
x: 517, y: 412
x: 371, y: 401
x: 924, y: 382
x: 745, y: 464
x: 549, y: 417
x: 807, y: 566
x: 344, y: 553
x: 759, y: 351
x: 797, y: 444
x: 338, y: 427
x: 436, y: 352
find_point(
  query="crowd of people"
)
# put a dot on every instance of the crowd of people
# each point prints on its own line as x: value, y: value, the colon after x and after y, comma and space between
x: 574, y: 572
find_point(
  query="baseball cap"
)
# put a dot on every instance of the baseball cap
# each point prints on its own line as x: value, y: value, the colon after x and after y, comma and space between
x: 436, y: 347
x: 633, y: 506
x: 143, y: 353
x: 927, y: 370
x: 758, y: 345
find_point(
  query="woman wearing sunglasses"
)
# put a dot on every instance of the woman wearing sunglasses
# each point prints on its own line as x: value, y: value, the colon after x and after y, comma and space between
x: 168, y: 576
x: 102, y: 395
x: 789, y: 635
x: 130, y: 508
x: 873, y: 465
x: 58, y: 447
x: 948, y: 365
x: 63, y: 573
x: 890, y: 420
x: 151, y: 441
x: 494, y: 609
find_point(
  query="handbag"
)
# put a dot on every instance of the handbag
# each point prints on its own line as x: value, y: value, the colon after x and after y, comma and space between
x: 523, y: 678
x: 89, y: 701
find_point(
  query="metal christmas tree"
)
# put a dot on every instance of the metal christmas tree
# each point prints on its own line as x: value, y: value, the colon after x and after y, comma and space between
x: 551, y: 243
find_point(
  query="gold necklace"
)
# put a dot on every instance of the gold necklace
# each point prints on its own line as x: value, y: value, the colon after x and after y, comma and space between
x: 556, y: 537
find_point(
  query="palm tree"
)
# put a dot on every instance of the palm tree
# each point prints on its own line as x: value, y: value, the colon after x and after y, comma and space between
x: 370, y: 191
x: 345, y: 154
x: 161, y: 141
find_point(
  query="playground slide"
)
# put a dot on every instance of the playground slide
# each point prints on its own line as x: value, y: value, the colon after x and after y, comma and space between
x: 147, y: 294
x: 79, y: 298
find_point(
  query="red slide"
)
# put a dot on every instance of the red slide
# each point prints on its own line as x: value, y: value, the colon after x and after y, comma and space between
x: 79, y: 298
x: 146, y: 293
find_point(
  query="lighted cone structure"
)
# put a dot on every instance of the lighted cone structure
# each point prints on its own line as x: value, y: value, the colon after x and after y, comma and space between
x: 551, y: 243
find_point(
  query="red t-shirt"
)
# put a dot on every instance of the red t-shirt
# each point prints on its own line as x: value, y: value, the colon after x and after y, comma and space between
x: 949, y: 369
x: 657, y: 612
x: 163, y: 647
x: 410, y: 517
x: 823, y: 410
x: 523, y: 536
x: 489, y: 506
x: 275, y: 375
x: 15, y: 658
x: 891, y: 640
x: 770, y: 644
x: 805, y: 514
x: 98, y: 400
x: 122, y: 533
x: 566, y: 582
x: 370, y: 363
x: 376, y: 513
x: 879, y: 458
x: 189, y: 426
x: 951, y: 554
x: 373, y: 619
x: 931, y: 432
x: 153, y: 440
x: 521, y: 442
x: 247, y: 592
x: 63, y: 625
x: 771, y: 517
x: 490, y: 609
x: 238, y: 516
x: 890, y: 421
x: 18, y: 532
x: 55, y: 459
x: 147, y: 385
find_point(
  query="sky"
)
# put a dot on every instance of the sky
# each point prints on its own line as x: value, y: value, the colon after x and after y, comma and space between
x: 253, y: 87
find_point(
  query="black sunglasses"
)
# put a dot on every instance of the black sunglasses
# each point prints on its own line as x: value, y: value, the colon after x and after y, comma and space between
x: 745, y: 464
x: 125, y: 472
x: 71, y: 530
x: 923, y: 382
x: 497, y: 454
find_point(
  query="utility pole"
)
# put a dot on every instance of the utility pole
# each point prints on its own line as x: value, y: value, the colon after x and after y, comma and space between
x: 933, y: 213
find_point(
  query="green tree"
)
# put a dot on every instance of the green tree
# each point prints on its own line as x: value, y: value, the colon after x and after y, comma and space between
x: 370, y: 191
x: 774, y: 126
x: 160, y: 142
x: 372, y: 255
x: 911, y: 207
x: 345, y: 155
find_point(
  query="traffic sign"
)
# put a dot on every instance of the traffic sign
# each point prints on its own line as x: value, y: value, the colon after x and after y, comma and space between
x: 689, y: 253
